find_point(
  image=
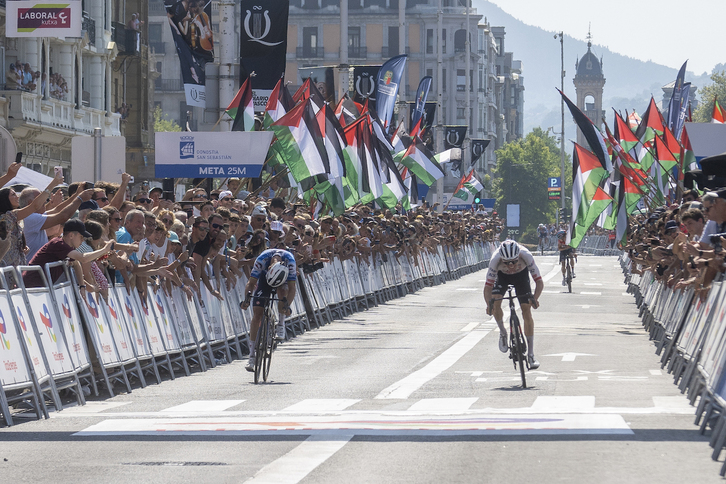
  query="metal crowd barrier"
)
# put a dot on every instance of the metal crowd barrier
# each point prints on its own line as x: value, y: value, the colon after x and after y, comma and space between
x: 597, y: 245
x: 689, y: 331
x: 54, y: 338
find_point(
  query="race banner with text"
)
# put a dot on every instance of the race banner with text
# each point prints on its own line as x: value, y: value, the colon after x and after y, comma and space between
x: 211, y: 154
x: 191, y: 29
x: 263, y: 45
x: 43, y: 19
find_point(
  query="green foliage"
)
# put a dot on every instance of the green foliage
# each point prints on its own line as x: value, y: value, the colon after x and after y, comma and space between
x: 162, y: 123
x: 523, y: 167
x: 708, y: 93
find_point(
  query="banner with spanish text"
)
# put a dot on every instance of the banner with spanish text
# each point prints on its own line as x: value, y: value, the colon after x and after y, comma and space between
x: 43, y: 19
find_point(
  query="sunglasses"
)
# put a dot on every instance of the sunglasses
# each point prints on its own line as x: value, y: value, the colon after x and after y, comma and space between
x: 199, y: 196
x: 144, y: 200
x: 300, y: 226
x: 103, y: 199
x: 510, y: 262
x: 166, y: 220
x: 217, y: 226
x: 203, y: 229
x: 227, y: 199
x: 260, y: 219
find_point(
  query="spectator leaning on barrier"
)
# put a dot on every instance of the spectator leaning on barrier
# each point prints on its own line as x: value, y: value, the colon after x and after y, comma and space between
x: 62, y: 248
x: 38, y: 222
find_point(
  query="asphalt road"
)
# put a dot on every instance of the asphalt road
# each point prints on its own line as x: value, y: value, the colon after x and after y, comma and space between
x: 412, y: 391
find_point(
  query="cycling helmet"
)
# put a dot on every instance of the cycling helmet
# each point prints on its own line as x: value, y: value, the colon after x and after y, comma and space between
x: 561, y: 234
x: 277, y: 274
x: 509, y: 250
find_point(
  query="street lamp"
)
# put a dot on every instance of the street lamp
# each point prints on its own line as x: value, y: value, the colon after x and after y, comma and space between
x: 561, y: 36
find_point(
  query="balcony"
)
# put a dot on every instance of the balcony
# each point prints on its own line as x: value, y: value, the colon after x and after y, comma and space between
x: 387, y: 52
x: 89, y: 25
x: 159, y: 47
x: 156, y: 7
x: 168, y: 85
x: 128, y: 41
x: 310, y: 52
x: 357, y: 52
x: 59, y: 117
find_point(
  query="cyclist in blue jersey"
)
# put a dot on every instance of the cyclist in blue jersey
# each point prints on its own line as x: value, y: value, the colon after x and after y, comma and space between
x: 272, y: 269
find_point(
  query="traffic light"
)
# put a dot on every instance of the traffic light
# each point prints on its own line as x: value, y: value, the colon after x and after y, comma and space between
x: 562, y: 214
x: 477, y: 198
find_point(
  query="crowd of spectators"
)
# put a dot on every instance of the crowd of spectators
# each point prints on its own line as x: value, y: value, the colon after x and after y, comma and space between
x: 682, y: 244
x: 152, y: 238
x: 21, y: 77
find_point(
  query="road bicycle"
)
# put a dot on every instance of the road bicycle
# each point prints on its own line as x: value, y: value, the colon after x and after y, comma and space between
x: 569, y: 272
x: 517, y: 342
x: 265, y: 344
x: 542, y: 245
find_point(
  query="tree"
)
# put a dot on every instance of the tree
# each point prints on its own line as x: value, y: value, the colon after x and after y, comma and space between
x: 523, y: 167
x: 162, y: 124
x: 717, y: 90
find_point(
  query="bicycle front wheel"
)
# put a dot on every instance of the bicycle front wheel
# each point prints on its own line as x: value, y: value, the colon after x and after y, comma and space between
x: 260, y: 345
x: 569, y: 276
x: 519, y: 347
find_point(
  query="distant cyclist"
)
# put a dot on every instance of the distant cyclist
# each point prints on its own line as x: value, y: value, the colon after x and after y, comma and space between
x: 566, y: 251
x: 272, y: 269
x: 543, y: 232
x: 512, y: 264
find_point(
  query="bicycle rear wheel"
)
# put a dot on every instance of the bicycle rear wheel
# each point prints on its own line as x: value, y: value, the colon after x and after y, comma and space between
x: 569, y: 276
x: 260, y: 345
x: 267, y: 360
x: 519, y: 347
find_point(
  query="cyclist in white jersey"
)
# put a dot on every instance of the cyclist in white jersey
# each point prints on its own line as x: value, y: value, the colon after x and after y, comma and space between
x: 512, y: 264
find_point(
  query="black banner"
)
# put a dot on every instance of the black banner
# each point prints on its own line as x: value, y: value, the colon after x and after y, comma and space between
x: 364, y: 84
x: 454, y: 136
x: 477, y: 149
x: 324, y: 80
x: 194, y: 41
x: 263, y: 45
x: 429, y: 115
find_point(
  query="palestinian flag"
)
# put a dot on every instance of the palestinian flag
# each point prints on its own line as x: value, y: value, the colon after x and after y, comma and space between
x: 298, y: 136
x: 362, y: 169
x: 400, y: 139
x: 393, y: 191
x: 719, y: 114
x: 453, y: 154
x: 628, y: 198
x: 411, y: 184
x: 275, y: 108
x: 587, y: 174
x: 651, y: 126
x: 243, y: 107
x: 420, y: 161
x: 594, y: 137
x: 347, y: 110
x: 468, y: 185
x: 600, y: 201
x: 688, y: 158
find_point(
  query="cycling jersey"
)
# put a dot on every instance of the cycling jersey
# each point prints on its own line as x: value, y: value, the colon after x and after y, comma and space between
x: 263, y: 262
x: 542, y: 231
x: 525, y: 262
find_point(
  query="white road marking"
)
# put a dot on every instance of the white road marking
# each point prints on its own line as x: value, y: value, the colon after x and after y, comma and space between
x: 405, y: 387
x: 570, y: 356
x: 555, y: 270
x: 679, y: 402
x: 469, y: 327
x: 592, y: 293
x: 547, y: 291
x: 89, y: 408
x: 595, y: 265
x: 312, y: 405
x: 326, y: 427
x: 443, y: 404
x: 593, y: 283
x: 469, y: 289
x: 203, y: 406
x: 656, y: 372
x: 625, y: 294
x: 294, y: 466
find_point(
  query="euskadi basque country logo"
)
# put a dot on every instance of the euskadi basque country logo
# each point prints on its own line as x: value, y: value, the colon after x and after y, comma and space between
x: 186, y: 147
x: 130, y: 312
x: 160, y: 307
x: 43, y: 16
x: 67, y: 312
x: 21, y: 320
x: 93, y: 309
x: 48, y: 322
x: 5, y: 342
x: 256, y: 32
x: 112, y: 309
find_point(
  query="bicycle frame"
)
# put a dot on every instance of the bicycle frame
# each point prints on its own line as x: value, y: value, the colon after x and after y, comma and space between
x: 517, y: 344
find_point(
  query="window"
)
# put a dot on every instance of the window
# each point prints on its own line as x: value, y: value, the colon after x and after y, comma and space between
x: 393, y: 41
x: 429, y: 41
x: 500, y: 45
x: 482, y: 79
x: 460, y: 114
x: 443, y: 80
x: 310, y: 41
x: 443, y: 41
x: 460, y: 80
x: 354, y: 49
x: 460, y: 41
x: 155, y: 32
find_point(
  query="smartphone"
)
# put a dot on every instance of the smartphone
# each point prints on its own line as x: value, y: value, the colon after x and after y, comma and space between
x: 19, y: 157
x: 58, y: 170
x: 131, y: 180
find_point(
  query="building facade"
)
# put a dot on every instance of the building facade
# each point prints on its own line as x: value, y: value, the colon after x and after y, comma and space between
x: 82, y: 84
x: 589, y: 83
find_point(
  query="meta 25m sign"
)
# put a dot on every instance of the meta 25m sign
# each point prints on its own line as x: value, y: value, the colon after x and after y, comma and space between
x: 211, y: 155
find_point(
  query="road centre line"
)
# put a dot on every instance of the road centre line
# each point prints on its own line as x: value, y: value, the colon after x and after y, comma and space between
x: 469, y: 327
x: 294, y: 466
x: 405, y: 387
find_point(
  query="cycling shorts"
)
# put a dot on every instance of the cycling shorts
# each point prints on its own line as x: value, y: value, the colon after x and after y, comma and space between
x: 520, y: 281
x: 564, y: 254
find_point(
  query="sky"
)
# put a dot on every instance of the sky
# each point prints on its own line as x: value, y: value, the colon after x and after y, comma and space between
x: 637, y: 28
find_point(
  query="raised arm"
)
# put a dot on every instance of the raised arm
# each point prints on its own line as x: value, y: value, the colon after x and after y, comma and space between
x: 40, y: 199
x: 118, y: 198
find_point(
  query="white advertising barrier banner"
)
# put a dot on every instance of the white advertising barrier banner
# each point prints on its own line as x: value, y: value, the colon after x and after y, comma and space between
x: 100, y: 331
x: 210, y: 306
x: 43, y: 19
x: 183, y: 324
x: 13, y: 368
x: 163, y: 313
x: 210, y: 154
x: 34, y: 350
x: 51, y: 336
x: 127, y: 314
x: 71, y: 322
x: 153, y: 330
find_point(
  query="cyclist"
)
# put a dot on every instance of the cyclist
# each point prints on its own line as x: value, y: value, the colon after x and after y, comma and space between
x: 566, y: 251
x: 512, y: 264
x: 543, y: 232
x: 273, y: 267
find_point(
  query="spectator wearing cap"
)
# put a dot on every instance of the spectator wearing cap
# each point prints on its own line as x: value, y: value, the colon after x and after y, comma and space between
x: 326, y: 225
x: 226, y: 199
x: 85, y: 208
x: 714, y: 203
x: 62, y: 248
x: 258, y: 218
x: 155, y: 196
x: 36, y: 224
x: 276, y: 235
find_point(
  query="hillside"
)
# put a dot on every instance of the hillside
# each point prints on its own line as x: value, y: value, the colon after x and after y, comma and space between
x: 629, y: 82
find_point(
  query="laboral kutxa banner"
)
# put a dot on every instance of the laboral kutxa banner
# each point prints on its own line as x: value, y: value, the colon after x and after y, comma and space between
x: 43, y: 18
x: 211, y: 155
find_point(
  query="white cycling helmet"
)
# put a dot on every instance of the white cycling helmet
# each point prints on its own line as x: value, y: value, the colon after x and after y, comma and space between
x: 509, y: 250
x: 277, y: 274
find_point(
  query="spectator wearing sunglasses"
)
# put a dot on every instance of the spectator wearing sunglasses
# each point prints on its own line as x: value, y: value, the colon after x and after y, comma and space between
x: 226, y: 199
x: 257, y: 219
x: 143, y: 201
x: 99, y: 196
